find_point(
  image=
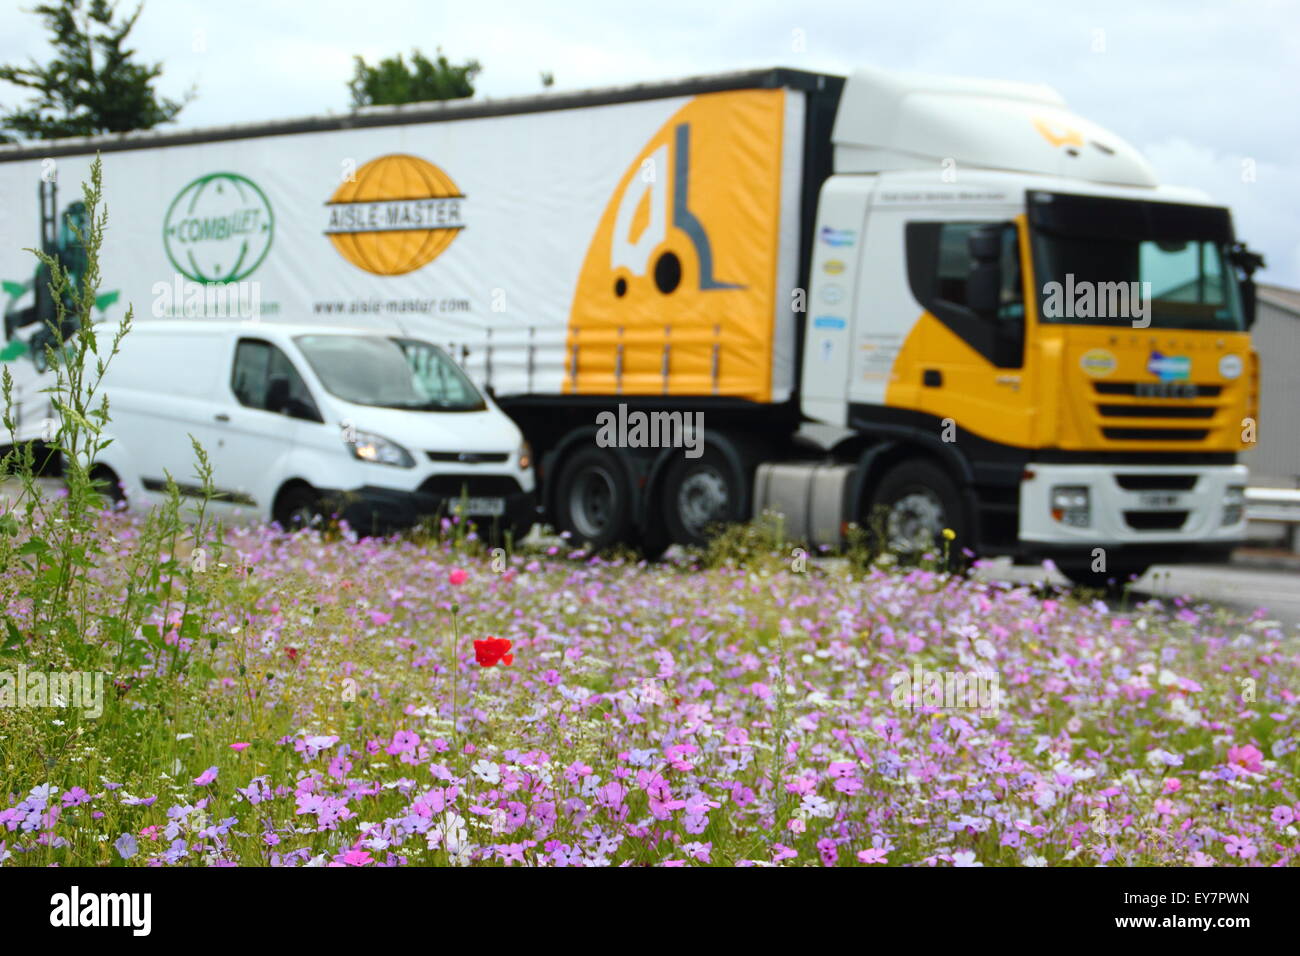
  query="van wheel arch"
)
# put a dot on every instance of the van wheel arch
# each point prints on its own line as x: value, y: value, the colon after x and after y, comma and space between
x: 290, y: 496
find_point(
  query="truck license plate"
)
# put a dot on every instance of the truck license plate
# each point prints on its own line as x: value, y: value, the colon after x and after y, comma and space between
x: 1159, y: 501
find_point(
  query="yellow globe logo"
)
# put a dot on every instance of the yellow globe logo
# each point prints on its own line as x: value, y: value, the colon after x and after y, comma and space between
x: 396, y: 214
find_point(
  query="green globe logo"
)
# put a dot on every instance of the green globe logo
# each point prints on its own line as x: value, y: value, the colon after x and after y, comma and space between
x: 219, y: 228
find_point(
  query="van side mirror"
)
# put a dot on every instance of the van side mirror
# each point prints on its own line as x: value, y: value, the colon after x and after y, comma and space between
x: 984, y: 282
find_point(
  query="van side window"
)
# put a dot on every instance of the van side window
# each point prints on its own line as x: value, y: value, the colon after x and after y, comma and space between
x: 263, y: 377
x: 940, y: 266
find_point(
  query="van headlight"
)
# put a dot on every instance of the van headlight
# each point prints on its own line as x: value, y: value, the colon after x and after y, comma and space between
x: 378, y: 449
x: 525, y: 456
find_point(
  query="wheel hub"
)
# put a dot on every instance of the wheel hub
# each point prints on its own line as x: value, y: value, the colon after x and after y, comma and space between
x: 914, y: 522
x: 591, y: 502
x: 702, y: 500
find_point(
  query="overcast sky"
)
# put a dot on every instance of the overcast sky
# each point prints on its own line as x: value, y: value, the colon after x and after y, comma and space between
x: 1204, y: 89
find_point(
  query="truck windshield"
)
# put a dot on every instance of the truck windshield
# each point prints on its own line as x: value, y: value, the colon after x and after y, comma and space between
x: 1130, y: 263
x: 390, y: 373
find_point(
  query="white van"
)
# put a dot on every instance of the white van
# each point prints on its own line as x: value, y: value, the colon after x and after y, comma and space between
x: 304, y: 422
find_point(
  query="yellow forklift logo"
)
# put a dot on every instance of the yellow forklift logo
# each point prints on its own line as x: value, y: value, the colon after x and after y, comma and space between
x: 676, y: 293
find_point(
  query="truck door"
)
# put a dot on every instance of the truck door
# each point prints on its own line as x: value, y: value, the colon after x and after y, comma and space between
x: 967, y: 277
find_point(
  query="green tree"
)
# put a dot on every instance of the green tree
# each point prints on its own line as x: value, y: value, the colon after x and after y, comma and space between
x: 392, y: 81
x: 92, y: 85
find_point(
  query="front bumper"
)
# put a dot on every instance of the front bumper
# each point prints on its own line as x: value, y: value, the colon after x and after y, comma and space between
x: 1169, y: 510
x: 375, y: 510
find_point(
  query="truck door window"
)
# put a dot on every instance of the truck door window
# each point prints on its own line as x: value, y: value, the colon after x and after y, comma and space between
x: 940, y: 266
x: 264, y: 378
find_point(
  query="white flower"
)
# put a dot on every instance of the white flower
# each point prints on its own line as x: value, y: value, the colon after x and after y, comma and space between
x: 1032, y: 860
x: 487, y: 771
x: 965, y: 858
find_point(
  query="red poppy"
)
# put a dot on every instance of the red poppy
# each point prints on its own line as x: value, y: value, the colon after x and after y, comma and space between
x: 494, y: 649
x: 292, y: 652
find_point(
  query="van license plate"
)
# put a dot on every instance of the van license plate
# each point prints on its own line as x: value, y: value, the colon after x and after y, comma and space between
x: 491, y: 507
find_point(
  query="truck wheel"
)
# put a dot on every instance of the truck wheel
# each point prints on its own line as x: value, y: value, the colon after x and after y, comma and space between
x: 912, y: 506
x: 594, y: 499
x: 299, y: 507
x: 701, y: 493
x: 1112, y: 581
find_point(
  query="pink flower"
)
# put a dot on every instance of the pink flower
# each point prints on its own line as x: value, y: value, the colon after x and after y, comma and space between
x: 874, y: 855
x: 206, y: 777
x: 239, y: 746
x: 1283, y: 815
x: 380, y: 618
x: 1247, y: 757
x: 355, y: 857
x: 457, y: 577
x: 1172, y: 785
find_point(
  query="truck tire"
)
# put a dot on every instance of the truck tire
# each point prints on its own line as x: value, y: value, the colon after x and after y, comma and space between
x: 910, y: 509
x: 594, y: 500
x: 699, y: 494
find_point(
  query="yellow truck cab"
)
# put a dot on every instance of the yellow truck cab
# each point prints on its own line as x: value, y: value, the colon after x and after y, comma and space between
x: 1028, y: 322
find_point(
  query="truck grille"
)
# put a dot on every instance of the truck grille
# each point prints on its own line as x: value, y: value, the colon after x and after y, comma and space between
x: 1157, y: 411
x: 1155, y: 520
x: 1156, y: 482
x: 1155, y: 434
x: 1145, y: 390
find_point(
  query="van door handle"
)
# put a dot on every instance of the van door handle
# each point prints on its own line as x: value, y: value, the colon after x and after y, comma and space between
x: 222, y: 417
x: 932, y: 378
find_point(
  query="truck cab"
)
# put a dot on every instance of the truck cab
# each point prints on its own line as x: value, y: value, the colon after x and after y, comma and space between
x: 1001, y: 293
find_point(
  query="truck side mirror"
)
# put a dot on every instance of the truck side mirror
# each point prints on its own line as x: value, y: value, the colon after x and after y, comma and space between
x: 984, y: 282
x: 1246, y: 262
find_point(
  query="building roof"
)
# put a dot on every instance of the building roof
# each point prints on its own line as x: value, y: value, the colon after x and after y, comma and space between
x: 1280, y: 297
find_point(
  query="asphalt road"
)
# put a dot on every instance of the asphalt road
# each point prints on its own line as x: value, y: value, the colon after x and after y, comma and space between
x: 1250, y: 582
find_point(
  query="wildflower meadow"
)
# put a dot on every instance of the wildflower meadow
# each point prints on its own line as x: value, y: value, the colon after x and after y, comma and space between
x: 180, y: 693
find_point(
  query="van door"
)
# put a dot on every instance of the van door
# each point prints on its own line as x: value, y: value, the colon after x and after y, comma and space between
x: 255, y: 433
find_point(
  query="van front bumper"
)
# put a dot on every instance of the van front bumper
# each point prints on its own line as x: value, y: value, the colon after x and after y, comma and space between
x: 375, y: 510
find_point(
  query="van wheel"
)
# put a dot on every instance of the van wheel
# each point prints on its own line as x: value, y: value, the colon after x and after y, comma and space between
x: 594, y: 499
x: 299, y: 507
x: 109, y: 487
x: 912, y: 506
x: 701, y: 493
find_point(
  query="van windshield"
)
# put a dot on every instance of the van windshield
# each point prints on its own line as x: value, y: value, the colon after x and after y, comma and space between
x: 390, y: 373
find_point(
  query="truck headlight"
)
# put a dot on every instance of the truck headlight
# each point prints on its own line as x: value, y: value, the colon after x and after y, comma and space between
x: 381, y: 451
x: 1234, y: 504
x: 1071, y: 505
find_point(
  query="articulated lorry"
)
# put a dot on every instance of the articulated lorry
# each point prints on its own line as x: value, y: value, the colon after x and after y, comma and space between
x: 936, y: 308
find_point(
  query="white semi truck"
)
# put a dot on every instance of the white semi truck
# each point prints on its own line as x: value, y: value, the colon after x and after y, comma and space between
x: 913, y: 303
